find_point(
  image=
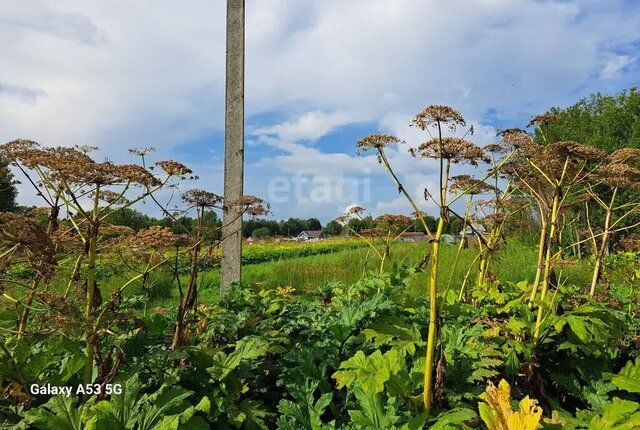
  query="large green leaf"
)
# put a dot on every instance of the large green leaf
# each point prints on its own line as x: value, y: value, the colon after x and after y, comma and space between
x: 629, y: 378
x: 59, y: 413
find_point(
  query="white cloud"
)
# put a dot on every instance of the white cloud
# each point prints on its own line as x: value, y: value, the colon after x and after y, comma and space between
x: 120, y: 74
x: 616, y: 65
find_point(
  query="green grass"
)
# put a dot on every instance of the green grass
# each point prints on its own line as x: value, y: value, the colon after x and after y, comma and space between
x: 513, y: 264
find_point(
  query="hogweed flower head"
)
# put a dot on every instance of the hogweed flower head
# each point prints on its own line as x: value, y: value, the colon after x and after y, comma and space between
x: 575, y: 150
x: 455, y: 149
x: 544, y: 119
x: 625, y: 155
x: 200, y: 198
x: 173, y: 168
x: 618, y: 175
x: 392, y: 222
x: 31, y: 240
x: 438, y: 114
x: 376, y: 142
x: 469, y: 185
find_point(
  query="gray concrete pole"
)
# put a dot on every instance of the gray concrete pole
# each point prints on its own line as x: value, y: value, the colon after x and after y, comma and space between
x: 233, y: 145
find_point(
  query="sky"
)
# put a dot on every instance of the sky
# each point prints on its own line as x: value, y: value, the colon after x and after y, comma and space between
x: 320, y: 74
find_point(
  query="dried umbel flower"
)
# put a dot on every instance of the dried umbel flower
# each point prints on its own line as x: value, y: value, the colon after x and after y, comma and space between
x: 31, y: 241
x: 435, y: 114
x: 517, y: 138
x: 142, y: 151
x: 493, y: 220
x: 618, y: 175
x: 154, y: 237
x: 112, y: 197
x: 251, y: 205
x: 455, y: 149
x: 374, y: 232
x: 376, y: 142
x: 576, y: 150
x: 545, y: 119
x: 625, y: 155
x: 469, y: 185
x: 495, y: 148
x: 355, y: 210
x: 201, y: 198
x: 173, y: 168
x: 112, y: 230
x: 136, y: 174
x: 393, y: 222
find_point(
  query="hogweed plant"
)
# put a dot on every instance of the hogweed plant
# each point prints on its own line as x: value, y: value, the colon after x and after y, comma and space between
x: 619, y: 174
x: 551, y: 174
x: 448, y: 151
x: 82, y: 185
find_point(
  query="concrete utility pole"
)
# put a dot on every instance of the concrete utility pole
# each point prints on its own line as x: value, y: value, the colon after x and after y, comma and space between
x: 233, y: 145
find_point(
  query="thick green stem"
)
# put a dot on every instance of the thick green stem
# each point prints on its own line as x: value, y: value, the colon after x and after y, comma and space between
x: 597, y: 269
x: 547, y: 263
x: 427, y: 396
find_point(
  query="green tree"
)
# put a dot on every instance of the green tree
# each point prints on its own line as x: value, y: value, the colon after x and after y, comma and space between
x: 8, y: 190
x: 333, y: 228
x: 261, y: 233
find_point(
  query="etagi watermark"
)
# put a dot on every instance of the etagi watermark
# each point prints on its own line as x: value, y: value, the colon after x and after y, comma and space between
x: 301, y: 188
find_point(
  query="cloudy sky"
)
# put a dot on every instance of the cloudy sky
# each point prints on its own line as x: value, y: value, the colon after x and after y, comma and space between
x: 320, y: 74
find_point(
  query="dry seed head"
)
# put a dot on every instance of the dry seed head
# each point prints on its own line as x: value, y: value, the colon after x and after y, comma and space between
x: 393, y: 222
x: 469, y: 185
x: 625, y: 155
x: 136, y: 174
x: 434, y: 114
x: 142, y: 151
x: 356, y: 210
x: 452, y: 148
x: 154, y: 237
x: 544, y: 119
x: 377, y: 142
x: 32, y: 241
x: 173, y: 168
x: 576, y: 150
x: 251, y: 205
x: 112, y: 197
x: 201, y: 198
x: 617, y: 175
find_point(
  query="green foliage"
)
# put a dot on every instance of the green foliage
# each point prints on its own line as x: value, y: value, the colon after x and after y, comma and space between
x: 8, y: 190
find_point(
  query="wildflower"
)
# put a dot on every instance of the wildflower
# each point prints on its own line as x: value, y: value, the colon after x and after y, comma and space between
x: 154, y: 237
x: 455, y: 149
x: 625, y: 155
x: 544, y: 119
x: 201, y: 198
x: 112, y: 197
x: 618, y: 175
x: 393, y: 222
x: 434, y: 114
x: 136, y: 174
x: 469, y: 185
x: 173, y: 168
x: 376, y: 141
x: 142, y: 151
x: 576, y: 150
x: 31, y: 239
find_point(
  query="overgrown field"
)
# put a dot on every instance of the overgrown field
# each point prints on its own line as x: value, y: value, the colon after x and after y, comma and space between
x: 532, y: 321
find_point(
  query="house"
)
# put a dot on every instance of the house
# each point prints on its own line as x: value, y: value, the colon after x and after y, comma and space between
x: 449, y: 239
x: 310, y: 235
x: 414, y: 236
x: 468, y: 232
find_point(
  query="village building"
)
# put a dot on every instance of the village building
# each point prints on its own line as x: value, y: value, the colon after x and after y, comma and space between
x: 310, y: 236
